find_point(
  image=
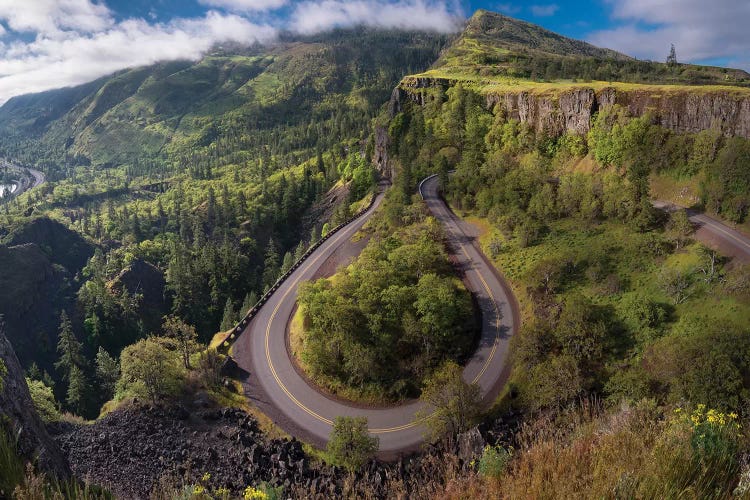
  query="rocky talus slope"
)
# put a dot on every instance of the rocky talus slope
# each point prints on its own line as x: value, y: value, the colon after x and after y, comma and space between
x: 133, y: 450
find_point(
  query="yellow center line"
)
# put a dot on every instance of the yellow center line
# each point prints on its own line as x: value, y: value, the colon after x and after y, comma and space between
x: 283, y: 387
x: 327, y: 421
x: 497, y: 319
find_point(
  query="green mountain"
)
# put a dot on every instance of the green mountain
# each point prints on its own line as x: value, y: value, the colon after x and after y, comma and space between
x: 194, y: 182
x: 299, y: 93
x: 496, y: 46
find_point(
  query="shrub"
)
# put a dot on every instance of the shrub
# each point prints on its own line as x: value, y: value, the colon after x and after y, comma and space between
x: 494, y: 462
x: 350, y: 445
x: 44, y: 400
x: 151, y: 368
x: 454, y: 404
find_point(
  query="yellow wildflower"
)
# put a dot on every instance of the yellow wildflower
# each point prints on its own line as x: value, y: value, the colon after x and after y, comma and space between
x: 254, y: 494
x: 206, y: 477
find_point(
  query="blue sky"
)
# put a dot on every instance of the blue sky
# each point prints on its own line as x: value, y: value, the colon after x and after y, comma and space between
x: 54, y: 43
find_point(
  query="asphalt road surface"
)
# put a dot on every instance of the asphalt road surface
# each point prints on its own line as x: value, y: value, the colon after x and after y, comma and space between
x: 715, y: 234
x: 303, y: 411
x: 25, y: 186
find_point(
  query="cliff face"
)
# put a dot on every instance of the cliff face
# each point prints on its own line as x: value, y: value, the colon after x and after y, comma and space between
x: 571, y: 110
x: 19, y: 418
x: 39, y: 262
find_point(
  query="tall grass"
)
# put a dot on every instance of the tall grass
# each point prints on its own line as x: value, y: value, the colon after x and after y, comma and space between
x: 634, y: 452
x: 11, y: 465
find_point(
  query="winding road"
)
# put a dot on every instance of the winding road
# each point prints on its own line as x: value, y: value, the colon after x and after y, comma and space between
x: 24, y: 185
x: 713, y: 233
x: 302, y: 410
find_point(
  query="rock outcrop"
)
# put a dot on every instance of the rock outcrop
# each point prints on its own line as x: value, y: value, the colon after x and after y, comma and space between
x: 380, y: 156
x: 682, y: 109
x: 33, y: 291
x: 63, y: 246
x: 143, y: 278
x: 130, y: 450
x: 39, y: 261
x: 20, y: 420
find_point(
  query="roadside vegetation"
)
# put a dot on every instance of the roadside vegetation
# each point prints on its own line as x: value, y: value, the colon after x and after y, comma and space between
x: 200, y: 221
x: 376, y: 329
x: 620, y: 305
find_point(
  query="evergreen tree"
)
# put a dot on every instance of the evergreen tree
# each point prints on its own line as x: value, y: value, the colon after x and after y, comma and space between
x: 271, y: 264
x: 299, y: 251
x: 107, y: 371
x: 33, y: 372
x: 250, y: 300
x: 76, y: 397
x: 287, y: 263
x: 672, y: 57
x: 228, y: 319
x: 68, y: 347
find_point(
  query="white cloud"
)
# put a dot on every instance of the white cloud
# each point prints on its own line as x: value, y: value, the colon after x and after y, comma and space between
x: 700, y: 31
x: 246, y: 5
x: 315, y: 16
x: 49, y: 17
x: 544, y: 10
x: 52, y: 62
x: 76, y: 41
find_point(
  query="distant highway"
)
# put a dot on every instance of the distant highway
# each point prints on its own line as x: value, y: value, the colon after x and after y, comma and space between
x: 302, y: 410
x: 24, y: 183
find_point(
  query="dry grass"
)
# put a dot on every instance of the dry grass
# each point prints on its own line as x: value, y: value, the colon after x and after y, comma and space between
x: 297, y: 336
x: 504, y: 84
x: 634, y: 452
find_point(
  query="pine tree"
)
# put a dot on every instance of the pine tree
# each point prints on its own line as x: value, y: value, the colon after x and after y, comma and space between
x: 107, y: 371
x: 314, y: 235
x: 287, y: 263
x: 228, y: 319
x: 672, y: 57
x: 33, y: 372
x: 250, y: 300
x: 76, y: 397
x: 299, y: 251
x: 68, y: 347
x: 271, y: 264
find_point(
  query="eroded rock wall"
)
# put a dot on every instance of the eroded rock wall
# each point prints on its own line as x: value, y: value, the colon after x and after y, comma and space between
x: 681, y: 110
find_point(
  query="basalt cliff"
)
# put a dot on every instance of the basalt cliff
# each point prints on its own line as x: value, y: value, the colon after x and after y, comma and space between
x: 678, y: 108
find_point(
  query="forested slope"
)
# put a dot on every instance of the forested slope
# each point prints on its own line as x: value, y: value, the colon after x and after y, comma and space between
x: 192, y: 183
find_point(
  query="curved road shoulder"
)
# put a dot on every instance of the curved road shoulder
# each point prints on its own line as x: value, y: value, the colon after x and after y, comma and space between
x: 302, y: 410
x: 713, y: 233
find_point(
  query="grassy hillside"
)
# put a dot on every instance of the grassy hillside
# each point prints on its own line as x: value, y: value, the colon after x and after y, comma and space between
x: 497, y: 49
